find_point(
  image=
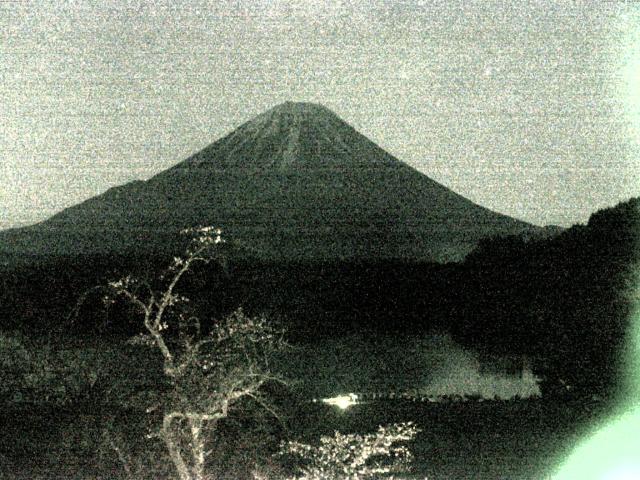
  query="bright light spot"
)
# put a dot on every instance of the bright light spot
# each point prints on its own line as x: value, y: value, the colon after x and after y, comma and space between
x: 612, y: 453
x: 343, y: 401
x: 624, y: 473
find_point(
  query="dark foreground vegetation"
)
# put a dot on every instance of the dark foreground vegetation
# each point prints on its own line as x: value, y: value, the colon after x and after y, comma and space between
x: 562, y: 301
x: 515, y: 440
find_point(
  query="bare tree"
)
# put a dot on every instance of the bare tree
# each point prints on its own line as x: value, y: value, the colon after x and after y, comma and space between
x: 209, y: 370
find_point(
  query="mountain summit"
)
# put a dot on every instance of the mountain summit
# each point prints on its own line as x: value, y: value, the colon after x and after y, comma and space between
x: 292, y: 135
x: 295, y: 183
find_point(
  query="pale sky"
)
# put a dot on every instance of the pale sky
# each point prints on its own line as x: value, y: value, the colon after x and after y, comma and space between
x: 529, y: 108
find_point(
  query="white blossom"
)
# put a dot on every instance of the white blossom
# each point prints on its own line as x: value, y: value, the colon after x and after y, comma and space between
x: 354, y: 456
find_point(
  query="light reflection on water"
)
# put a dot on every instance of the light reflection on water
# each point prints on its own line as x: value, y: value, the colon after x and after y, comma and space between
x: 342, y: 401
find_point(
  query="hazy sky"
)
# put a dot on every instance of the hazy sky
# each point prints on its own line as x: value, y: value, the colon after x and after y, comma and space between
x: 529, y: 108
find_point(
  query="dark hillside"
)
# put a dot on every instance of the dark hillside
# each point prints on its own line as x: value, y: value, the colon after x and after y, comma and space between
x: 560, y: 299
x: 564, y: 299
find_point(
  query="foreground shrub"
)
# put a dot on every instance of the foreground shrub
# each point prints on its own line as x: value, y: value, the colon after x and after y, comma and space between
x: 352, y: 456
x: 15, y: 364
x: 37, y: 374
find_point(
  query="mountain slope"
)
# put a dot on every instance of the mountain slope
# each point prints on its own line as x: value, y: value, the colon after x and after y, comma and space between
x: 294, y: 183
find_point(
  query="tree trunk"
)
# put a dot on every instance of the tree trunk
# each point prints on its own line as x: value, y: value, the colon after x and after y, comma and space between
x: 174, y: 450
x: 197, y: 448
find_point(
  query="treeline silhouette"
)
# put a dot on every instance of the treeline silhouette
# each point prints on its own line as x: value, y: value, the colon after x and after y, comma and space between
x: 561, y: 300
x: 565, y: 300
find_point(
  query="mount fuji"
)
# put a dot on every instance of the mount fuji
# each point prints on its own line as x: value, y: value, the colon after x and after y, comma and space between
x: 295, y: 183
